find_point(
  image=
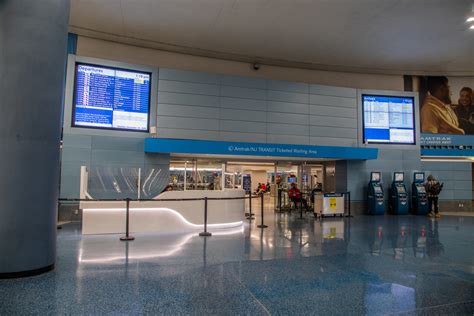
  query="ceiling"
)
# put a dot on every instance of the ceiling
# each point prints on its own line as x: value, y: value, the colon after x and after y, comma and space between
x: 368, y: 36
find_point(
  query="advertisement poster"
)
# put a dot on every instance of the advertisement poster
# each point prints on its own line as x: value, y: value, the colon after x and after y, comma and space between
x: 446, y: 110
x: 447, y: 105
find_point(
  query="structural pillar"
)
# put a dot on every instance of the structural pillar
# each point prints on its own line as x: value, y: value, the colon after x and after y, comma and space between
x: 33, y: 44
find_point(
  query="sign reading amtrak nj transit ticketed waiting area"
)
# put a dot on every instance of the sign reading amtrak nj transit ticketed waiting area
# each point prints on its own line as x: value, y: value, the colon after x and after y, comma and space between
x: 183, y: 146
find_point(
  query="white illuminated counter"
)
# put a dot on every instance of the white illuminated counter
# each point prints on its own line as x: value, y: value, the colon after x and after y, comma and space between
x: 104, y: 217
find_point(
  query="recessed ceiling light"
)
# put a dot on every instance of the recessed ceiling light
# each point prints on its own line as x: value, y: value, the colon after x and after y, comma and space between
x: 470, y: 19
x: 471, y: 27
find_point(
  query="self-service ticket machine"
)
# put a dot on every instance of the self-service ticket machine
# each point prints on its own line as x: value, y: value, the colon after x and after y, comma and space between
x: 399, y: 196
x: 375, y: 196
x: 419, y: 199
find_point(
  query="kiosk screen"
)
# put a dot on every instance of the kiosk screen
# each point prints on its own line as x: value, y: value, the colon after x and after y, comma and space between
x: 398, y: 176
x: 375, y: 176
x: 420, y: 177
x: 377, y: 189
x: 401, y: 189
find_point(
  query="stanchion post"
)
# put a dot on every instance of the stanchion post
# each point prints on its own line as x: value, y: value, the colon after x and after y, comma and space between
x: 261, y: 213
x: 250, y: 214
x: 57, y: 216
x: 205, y: 233
x: 279, y: 200
x: 349, y: 203
x: 127, y: 236
x: 301, y: 205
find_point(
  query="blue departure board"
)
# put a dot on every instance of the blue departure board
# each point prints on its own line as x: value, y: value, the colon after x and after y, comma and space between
x: 388, y: 119
x: 111, y: 98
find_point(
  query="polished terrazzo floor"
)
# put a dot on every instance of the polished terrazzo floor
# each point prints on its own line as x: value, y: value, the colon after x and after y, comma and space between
x: 363, y: 265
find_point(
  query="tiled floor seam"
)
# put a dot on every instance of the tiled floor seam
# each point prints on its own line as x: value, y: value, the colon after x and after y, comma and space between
x: 251, y: 294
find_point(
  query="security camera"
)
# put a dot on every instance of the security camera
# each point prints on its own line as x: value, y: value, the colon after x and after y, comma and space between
x: 256, y: 66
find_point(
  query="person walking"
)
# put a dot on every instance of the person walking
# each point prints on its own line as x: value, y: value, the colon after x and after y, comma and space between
x: 433, y: 189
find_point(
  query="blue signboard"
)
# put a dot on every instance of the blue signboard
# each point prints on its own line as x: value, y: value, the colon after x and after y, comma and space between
x: 445, y: 145
x: 445, y: 140
x: 447, y: 152
x: 184, y: 146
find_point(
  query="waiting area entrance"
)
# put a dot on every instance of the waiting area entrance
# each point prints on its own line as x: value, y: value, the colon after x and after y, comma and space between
x: 215, y: 174
x: 276, y: 180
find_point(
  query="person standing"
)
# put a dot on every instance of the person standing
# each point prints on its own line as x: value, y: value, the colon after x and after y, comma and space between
x: 433, y: 189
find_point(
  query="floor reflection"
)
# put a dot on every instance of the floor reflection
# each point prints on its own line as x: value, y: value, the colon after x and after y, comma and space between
x: 361, y: 265
x: 104, y: 249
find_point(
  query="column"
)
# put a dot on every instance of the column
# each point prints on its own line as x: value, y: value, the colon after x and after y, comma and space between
x: 33, y: 43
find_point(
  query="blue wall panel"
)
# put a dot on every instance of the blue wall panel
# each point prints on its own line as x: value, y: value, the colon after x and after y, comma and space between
x: 188, y: 76
x: 281, y: 85
x: 188, y: 99
x: 243, y: 82
x: 332, y: 91
x: 188, y: 87
x: 456, y: 177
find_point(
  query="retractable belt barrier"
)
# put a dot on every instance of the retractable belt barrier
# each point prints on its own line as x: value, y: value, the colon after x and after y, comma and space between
x: 205, y: 233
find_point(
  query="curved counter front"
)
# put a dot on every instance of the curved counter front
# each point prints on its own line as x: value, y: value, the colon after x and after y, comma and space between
x: 165, y: 216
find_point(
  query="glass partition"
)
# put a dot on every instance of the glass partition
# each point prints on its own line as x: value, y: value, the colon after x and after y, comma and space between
x: 208, y: 175
x: 119, y: 182
x: 177, y: 175
x: 106, y: 182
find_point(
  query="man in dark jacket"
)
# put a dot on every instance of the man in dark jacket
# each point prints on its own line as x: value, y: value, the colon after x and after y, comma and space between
x: 433, y: 189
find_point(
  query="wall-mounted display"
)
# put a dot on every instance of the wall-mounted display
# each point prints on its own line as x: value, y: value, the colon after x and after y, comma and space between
x: 111, y: 98
x: 388, y: 119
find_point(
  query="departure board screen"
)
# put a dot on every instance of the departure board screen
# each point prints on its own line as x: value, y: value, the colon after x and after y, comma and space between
x: 388, y: 119
x: 111, y: 98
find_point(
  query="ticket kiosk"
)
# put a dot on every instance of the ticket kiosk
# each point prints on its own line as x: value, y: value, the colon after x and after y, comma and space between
x: 419, y: 199
x: 398, y: 195
x: 375, y: 195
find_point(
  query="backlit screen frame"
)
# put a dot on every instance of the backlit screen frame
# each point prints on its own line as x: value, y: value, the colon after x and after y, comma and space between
x: 420, y: 176
x: 74, y: 100
x: 414, y: 111
x: 376, y: 176
x: 398, y: 177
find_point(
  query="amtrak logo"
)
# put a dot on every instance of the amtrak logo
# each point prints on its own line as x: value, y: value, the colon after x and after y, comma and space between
x: 230, y: 148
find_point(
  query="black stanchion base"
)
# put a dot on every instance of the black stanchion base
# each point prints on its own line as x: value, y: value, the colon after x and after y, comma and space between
x: 59, y: 227
x: 262, y: 226
x: 125, y: 238
x: 205, y: 234
x: 24, y: 274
